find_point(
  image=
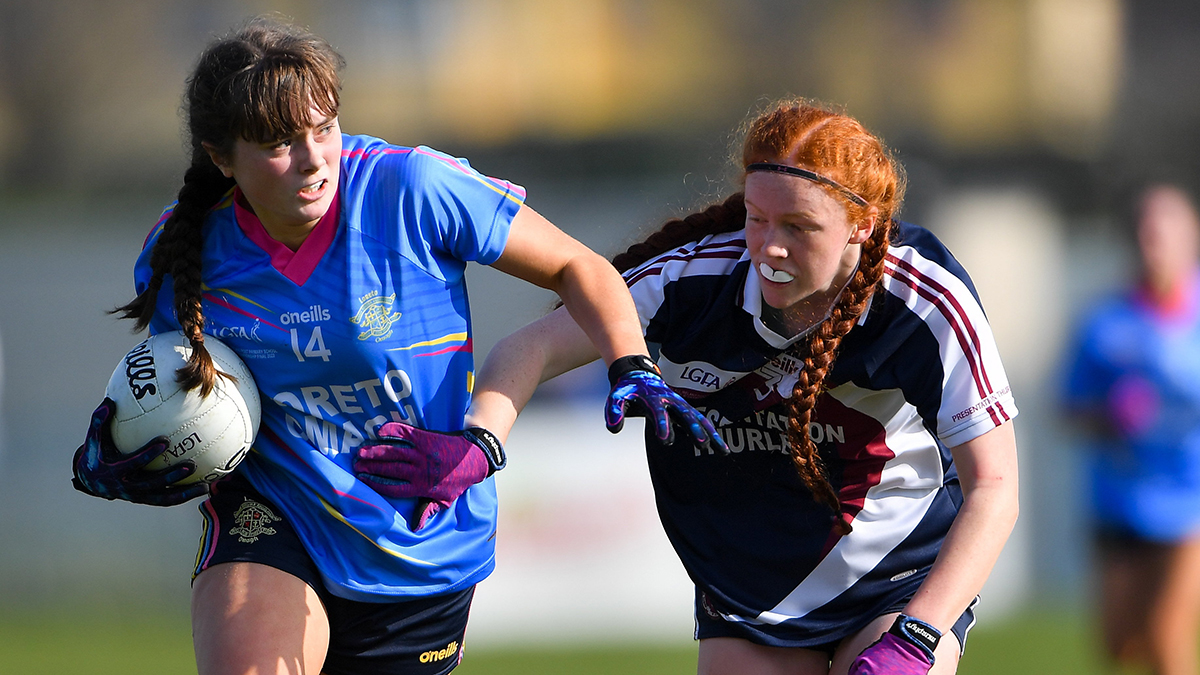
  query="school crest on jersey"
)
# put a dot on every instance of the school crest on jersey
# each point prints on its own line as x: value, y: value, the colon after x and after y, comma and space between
x: 375, y: 315
x: 251, y: 520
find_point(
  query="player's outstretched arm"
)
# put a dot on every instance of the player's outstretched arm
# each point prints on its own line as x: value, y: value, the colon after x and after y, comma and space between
x: 555, y: 344
x: 591, y: 289
x: 517, y: 364
x: 600, y: 306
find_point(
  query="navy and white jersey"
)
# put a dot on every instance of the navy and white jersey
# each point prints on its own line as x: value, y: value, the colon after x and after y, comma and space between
x: 917, y: 375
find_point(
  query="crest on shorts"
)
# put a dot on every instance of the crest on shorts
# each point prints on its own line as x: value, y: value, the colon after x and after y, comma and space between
x: 375, y: 315
x: 251, y: 520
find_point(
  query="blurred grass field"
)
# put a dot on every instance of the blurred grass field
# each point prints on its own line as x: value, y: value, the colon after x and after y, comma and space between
x: 123, y: 643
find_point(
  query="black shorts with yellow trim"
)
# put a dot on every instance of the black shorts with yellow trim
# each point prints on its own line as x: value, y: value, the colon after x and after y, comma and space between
x: 413, y: 637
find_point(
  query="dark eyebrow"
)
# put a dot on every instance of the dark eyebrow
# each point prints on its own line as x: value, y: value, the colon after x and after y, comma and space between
x: 789, y: 214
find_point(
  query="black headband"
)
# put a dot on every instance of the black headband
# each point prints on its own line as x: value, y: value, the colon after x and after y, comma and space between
x: 807, y: 175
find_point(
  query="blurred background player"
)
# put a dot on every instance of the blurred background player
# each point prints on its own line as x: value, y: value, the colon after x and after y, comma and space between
x: 333, y: 264
x: 1134, y: 384
x: 848, y: 365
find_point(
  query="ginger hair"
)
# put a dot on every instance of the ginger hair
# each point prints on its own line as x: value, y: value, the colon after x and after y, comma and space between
x: 811, y: 136
x: 259, y: 84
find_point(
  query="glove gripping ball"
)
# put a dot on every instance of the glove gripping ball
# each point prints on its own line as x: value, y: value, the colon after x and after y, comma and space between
x: 214, y: 432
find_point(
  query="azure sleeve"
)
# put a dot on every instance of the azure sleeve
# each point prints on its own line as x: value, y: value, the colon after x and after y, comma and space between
x: 434, y: 209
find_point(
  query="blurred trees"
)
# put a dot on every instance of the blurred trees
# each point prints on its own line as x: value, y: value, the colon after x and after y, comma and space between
x: 89, y: 89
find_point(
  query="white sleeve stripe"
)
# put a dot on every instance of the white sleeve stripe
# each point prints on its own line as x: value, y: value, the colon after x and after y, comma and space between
x: 656, y: 266
x: 949, y: 307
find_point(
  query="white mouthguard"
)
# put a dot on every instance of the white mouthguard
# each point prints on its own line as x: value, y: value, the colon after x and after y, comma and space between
x: 778, y: 276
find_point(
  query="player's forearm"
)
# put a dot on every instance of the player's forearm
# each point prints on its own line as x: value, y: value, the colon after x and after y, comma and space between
x: 519, y: 363
x: 505, y: 383
x: 966, y: 559
x: 599, y: 302
x: 974, y: 542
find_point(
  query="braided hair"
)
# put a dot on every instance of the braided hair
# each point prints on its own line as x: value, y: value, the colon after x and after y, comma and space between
x: 803, y: 134
x: 259, y: 84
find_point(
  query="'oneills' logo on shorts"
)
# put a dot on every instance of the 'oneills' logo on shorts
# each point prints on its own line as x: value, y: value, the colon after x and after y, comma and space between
x: 376, y: 316
x: 251, y: 520
x: 440, y: 654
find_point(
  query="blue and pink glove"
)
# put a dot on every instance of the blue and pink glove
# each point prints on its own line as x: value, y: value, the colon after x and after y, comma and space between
x: 101, y: 471
x: 638, y: 390
x: 435, y: 467
x: 906, y: 649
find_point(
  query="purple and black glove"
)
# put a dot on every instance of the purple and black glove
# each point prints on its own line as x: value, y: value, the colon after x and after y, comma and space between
x: 638, y: 390
x: 101, y: 471
x: 435, y: 467
x: 906, y: 649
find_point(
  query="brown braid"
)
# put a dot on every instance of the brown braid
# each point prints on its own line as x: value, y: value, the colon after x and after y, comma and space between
x: 258, y: 84
x: 177, y: 252
x: 818, y: 353
x: 725, y: 216
x: 804, y: 134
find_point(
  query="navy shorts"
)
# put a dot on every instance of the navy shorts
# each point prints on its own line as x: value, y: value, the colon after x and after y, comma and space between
x: 413, y: 637
x: 709, y: 624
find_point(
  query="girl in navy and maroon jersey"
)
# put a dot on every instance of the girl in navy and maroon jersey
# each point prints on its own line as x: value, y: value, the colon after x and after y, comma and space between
x: 846, y: 361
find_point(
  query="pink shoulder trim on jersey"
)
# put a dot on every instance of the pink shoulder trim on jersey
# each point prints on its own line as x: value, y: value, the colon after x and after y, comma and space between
x: 508, y: 190
x: 296, y: 265
x: 968, y: 340
x: 504, y: 188
x: 364, y: 152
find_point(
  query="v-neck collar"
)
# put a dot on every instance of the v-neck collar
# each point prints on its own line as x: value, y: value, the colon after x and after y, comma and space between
x: 296, y: 265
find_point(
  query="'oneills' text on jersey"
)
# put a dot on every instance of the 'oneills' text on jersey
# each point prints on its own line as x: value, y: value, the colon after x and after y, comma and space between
x: 366, y: 323
x: 917, y: 375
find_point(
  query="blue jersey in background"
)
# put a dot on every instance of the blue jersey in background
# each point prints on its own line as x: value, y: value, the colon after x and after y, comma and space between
x: 1138, y: 366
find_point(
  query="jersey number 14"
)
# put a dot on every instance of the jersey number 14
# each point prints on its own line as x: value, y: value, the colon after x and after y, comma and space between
x: 315, y: 347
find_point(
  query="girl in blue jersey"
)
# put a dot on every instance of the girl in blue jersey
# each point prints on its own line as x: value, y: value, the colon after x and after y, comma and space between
x: 1134, y: 379
x: 871, y: 477
x: 333, y: 265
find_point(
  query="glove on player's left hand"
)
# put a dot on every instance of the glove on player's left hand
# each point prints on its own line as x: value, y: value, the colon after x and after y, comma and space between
x: 639, y: 391
x: 434, y: 467
x: 898, y: 652
x: 406, y: 462
x: 101, y: 471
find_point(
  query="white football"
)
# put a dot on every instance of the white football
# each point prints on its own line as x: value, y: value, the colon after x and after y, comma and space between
x: 215, y: 432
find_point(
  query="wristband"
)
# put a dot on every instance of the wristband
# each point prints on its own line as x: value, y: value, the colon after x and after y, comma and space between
x: 628, y: 364
x: 917, y: 632
x: 492, y: 448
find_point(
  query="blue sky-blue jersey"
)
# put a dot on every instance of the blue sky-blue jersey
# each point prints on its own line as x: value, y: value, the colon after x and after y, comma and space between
x: 374, y: 327
x: 1146, y: 480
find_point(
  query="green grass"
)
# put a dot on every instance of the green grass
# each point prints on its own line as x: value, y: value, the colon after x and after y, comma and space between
x: 124, y: 643
x: 95, y: 643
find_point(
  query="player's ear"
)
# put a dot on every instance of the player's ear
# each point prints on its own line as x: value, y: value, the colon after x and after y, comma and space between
x: 863, y: 229
x: 218, y: 159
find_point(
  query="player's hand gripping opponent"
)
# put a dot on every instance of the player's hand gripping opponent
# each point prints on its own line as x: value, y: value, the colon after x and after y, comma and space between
x: 906, y: 649
x: 435, y: 467
x: 101, y: 471
x: 638, y: 390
